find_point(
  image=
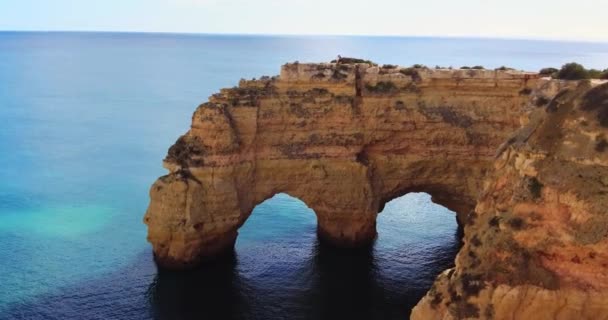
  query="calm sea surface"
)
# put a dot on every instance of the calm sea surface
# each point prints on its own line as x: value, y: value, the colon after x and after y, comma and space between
x: 85, y: 120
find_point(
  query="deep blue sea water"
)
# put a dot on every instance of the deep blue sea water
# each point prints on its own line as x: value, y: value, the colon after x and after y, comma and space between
x: 85, y: 119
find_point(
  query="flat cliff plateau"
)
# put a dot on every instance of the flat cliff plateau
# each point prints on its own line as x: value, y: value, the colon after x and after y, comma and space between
x: 521, y: 159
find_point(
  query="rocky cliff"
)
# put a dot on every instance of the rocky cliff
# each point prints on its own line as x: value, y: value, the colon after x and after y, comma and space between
x: 347, y: 137
x: 535, y: 247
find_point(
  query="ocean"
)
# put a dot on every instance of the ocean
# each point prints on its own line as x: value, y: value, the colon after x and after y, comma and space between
x: 85, y: 120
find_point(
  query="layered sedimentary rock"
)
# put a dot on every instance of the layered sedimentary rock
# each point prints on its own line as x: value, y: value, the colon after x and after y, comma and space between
x: 536, y: 245
x: 345, y: 138
x: 523, y: 161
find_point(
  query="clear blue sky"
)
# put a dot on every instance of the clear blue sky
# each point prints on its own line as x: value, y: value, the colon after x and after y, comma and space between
x: 552, y: 19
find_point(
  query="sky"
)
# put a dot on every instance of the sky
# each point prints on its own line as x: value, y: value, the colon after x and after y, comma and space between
x: 536, y: 19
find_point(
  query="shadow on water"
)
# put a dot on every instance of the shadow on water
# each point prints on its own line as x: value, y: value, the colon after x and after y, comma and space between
x: 333, y: 284
x: 344, y: 284
x: 212, y: 291
x: 355, y: 284
x: 339, y: 284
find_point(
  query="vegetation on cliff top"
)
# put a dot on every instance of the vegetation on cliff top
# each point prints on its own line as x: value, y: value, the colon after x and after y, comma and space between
x: 347, y: 60
x: 574, y: 71
x: 413, y: 72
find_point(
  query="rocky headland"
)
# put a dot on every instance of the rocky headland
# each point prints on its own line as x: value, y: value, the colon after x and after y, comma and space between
x: 521, y: 159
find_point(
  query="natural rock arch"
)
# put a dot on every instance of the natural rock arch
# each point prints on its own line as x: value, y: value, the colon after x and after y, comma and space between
x: 347, y: 137
x: 343, y: 138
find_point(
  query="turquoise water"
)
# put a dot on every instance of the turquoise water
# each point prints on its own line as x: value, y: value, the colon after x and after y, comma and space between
x: 86, y: 119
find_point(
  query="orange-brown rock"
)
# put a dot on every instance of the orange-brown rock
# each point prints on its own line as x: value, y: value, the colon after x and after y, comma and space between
x: 343, y: 138
x: 536, y: 246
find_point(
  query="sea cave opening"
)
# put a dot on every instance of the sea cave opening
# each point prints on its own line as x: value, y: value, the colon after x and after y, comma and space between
x: 279, y: 268
x: 417, y: 240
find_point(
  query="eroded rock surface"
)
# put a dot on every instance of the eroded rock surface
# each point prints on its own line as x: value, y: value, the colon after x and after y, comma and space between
x: 343, y: 138
x: 536, y: 246
x: 346, y: 138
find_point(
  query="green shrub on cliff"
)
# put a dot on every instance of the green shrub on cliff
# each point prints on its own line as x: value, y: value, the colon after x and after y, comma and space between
x: 548, y: 72
x: 474, y: 67
x: 572, y: 71
x: 409, y: 71
x: 389, y: 66
x: 412, y: 72
x: 347, y: 60
x: 598, y: 74
x: 594, y: 73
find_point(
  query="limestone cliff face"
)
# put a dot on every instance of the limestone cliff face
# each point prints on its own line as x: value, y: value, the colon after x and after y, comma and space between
x: 522, y: 160
x: 536, y: 245
x: 344, y: 138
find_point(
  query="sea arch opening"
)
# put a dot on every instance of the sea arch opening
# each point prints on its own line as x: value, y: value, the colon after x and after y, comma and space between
x: 291, y: 270
x: 280, y: 217
x: 417, y: 240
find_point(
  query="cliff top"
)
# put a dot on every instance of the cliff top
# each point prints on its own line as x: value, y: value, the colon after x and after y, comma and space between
x: 347, y: 74
x: 340, y: 70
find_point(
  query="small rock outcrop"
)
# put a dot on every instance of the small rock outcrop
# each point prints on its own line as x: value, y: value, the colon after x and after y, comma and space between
x: 349, y: 136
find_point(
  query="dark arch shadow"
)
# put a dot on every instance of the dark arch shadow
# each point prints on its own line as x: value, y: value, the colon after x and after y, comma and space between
x: 211, y: 291
x: 344, y: 283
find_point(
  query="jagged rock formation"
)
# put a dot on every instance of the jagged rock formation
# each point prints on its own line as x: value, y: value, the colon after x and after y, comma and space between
x: 345, y: 138
x: 535, y: 248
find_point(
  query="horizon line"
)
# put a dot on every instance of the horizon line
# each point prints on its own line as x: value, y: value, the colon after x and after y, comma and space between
x: 194, y: 33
